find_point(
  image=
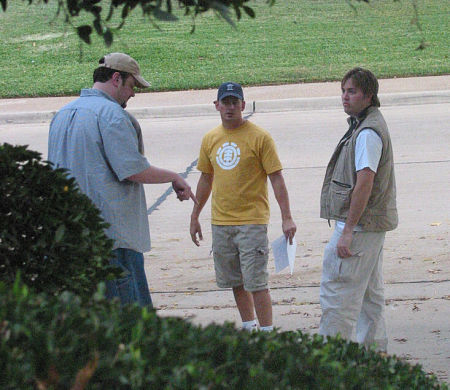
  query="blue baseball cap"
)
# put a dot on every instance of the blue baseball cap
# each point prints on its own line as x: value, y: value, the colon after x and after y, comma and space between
x: 230, y: 89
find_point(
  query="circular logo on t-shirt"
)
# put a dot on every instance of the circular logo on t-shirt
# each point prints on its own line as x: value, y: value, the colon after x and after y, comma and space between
x: 228, y: 155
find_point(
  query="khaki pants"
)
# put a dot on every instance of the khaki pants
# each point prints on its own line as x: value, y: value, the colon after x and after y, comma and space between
x: 352, y: 291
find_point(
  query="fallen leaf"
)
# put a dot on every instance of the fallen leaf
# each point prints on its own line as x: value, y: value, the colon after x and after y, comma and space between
x: 435, y: 224
x: 401, y: 340
x: 436, y: 331
x: 291, y: 312
x: 434, y: 271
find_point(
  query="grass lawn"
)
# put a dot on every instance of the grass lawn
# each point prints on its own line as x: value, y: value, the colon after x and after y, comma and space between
x: 293, y: 41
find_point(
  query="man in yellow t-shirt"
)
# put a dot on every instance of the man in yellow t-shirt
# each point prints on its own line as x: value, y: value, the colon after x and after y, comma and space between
x: 235, y: 159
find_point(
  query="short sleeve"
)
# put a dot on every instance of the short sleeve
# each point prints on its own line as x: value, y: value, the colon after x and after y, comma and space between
x: 368, y: 150
x: 204, y: 164
x: 269, y: 156
x: 121, y: 145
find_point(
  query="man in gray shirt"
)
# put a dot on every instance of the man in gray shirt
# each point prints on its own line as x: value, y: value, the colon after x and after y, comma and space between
x: 95, y: 140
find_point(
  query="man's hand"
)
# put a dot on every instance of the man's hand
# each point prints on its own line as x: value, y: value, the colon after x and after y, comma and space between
x: 155, y: 175
x: 204, y: 187
x: 183, y: 190
x: 343, y: 245
x: 195, y: 229
x: 289, y: 229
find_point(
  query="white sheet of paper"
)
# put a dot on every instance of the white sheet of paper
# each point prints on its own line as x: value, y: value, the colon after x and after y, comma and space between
x: 283, y: 253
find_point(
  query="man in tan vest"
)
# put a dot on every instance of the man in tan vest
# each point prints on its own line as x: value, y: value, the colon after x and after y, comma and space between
x: 359, y: 194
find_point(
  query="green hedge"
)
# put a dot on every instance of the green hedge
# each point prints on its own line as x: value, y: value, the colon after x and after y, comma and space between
x: 59, y: 342
x: 49, y: 230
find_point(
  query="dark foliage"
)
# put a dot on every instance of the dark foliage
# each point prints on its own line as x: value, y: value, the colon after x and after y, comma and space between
x: 61, y: 343
x: 49, y: 231
x: 157, y: 10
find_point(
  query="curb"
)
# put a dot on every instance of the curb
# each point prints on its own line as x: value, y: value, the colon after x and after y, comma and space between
x: 262, y: 106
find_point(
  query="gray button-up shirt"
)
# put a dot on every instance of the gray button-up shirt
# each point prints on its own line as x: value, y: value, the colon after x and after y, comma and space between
x: 94, y: 138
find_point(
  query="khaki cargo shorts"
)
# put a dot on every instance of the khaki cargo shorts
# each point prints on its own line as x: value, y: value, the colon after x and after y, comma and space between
x: 241, y: 253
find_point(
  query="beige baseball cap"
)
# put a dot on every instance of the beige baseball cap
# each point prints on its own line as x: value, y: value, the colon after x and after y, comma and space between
x: 124, y: 63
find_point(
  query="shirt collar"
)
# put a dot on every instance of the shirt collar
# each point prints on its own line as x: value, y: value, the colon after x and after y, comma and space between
x: 86, y: 92
x: 360, y: 117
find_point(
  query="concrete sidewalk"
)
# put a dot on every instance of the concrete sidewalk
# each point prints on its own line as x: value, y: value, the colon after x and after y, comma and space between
x: 289, y: 97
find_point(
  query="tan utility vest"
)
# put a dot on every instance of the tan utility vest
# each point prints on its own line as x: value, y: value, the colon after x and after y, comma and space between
x: 380, y: 214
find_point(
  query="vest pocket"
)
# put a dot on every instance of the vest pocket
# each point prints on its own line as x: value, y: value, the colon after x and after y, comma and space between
x: 340, y: 184
x: 340, y: 198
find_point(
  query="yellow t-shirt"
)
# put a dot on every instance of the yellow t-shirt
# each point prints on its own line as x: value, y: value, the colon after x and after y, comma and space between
x: 240, y: 160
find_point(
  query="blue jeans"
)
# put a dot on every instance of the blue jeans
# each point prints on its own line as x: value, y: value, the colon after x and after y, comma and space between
x: 133, y: 287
